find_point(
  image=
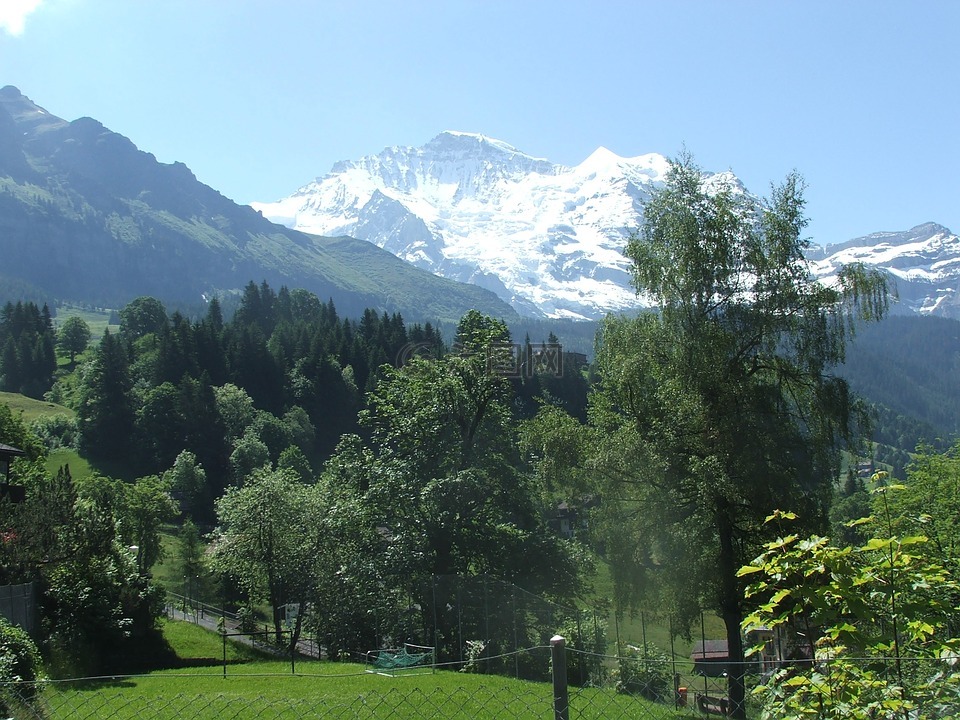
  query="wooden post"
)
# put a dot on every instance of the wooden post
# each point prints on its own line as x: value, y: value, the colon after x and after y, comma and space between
x: 561, y: 699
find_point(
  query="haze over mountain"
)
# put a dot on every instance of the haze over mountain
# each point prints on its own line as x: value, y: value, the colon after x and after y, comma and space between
x: 547, y: 238
x: 86, y: 216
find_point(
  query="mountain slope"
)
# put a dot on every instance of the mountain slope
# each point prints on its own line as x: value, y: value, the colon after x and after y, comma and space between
x: 911, y: 365
x: 547, y: 238
x: 86, y: 216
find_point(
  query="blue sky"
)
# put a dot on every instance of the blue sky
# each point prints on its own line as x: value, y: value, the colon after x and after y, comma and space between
x: 258, y: 97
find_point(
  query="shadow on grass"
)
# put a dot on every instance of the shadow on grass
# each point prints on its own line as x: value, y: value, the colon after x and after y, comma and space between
x: 99, y: 683
x: 156, y: 653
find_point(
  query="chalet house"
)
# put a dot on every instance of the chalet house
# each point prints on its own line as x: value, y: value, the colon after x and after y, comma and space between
x: 567, y: 519
x: 710, y: 658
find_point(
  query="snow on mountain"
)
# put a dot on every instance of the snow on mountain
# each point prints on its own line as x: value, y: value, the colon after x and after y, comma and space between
x: 924, y: 262
x: 548, y: 238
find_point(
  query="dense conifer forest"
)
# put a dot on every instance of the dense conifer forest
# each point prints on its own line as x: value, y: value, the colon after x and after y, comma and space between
x: 150, y: 391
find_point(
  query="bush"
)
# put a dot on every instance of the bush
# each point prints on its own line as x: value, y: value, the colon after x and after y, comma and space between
x: 56, y: 431
x: 645, y: 671
x: 20, y: 666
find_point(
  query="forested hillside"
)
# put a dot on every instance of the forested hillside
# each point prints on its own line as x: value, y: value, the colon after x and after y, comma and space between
x: 361, y: 426
x: 911, y: 365
x: 285, y: 373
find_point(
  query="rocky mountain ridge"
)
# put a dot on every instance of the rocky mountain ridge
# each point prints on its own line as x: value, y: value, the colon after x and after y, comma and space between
x: 924, y: 261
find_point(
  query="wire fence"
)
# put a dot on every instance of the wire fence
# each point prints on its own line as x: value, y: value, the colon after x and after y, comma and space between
x: 413, y: 703
x: 876, y: 688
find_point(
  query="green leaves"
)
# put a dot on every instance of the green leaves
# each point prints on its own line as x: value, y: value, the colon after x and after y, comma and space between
x: 878, y: 618
x: 271, y: 536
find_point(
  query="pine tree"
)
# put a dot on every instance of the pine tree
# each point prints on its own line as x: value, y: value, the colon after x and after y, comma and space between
x: 105, y: 416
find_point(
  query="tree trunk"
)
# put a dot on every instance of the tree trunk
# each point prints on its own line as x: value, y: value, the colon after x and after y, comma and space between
x: 298, y: 626
x: 278, y: 624
x: 732, y: 613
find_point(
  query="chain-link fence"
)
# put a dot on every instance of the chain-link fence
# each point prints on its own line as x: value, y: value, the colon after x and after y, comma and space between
x: 875, y: 688
x: 399, y: 703
x: 486, y: 627
x: 486, y: 623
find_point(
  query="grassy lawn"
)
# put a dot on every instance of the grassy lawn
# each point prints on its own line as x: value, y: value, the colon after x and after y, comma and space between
x: 32, y: 409
x: 166, y: 572
x: 79, y: 468
x: 258, y: 688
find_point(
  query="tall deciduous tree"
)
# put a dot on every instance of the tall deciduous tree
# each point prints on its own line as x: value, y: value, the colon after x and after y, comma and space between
x: 142, y: 316
x: 187, y: 480
x: 441, y: 479
x: 145, y: 505
x: 73, y: 337
x: 270, y: 537
x: 721, y: 406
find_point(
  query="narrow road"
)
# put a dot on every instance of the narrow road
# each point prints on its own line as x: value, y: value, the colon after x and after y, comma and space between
x: 178, y: 608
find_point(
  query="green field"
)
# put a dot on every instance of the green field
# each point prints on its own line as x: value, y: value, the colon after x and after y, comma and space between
x: 257, y: 688
x: 79, y: 468
x: 31, y: 409
x: 97, y: 320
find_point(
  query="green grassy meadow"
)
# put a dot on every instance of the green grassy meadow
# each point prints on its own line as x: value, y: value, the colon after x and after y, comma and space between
x: 650, y: 625
x: 31, y: 409
x: 257, y: 688
x: 79, y: 468
x: 97, y: 320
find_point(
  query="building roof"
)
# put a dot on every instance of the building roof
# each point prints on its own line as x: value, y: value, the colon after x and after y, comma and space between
x: 10, y: 450
x: 709, y: 650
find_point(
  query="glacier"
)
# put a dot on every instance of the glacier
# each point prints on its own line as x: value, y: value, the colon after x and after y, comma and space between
x: 549, y: 238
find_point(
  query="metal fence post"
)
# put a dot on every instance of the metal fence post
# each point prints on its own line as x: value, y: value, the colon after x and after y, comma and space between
x: 561, y: 699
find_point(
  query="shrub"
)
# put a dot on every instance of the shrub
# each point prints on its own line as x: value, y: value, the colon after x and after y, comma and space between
x: 20, y: 666
x: 645, y: 671
x: 55, y: 431
x: 882, y: 618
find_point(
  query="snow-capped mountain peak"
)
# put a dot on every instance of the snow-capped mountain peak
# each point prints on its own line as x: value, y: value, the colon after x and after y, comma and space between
x: 549, y: 238
x: 545, y: 237
x: 924, y: 262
